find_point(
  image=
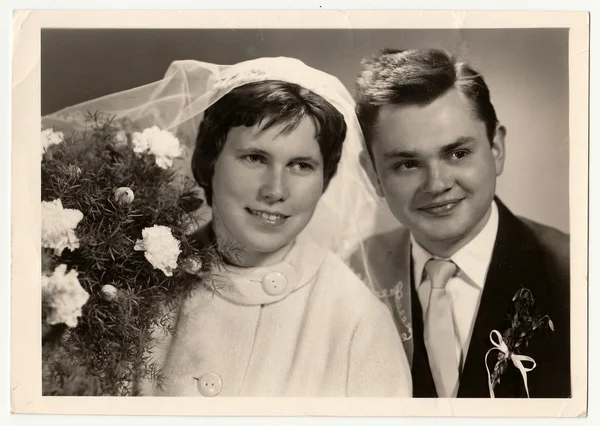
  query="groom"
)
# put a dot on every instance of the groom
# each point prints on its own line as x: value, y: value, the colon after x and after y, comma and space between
x: 463, y: 262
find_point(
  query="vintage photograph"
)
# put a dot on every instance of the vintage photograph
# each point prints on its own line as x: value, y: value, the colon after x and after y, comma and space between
x: 310, y: 213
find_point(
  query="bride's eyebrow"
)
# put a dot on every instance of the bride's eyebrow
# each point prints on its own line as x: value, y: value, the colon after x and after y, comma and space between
x: 306, y: 159
x: 251, y: 151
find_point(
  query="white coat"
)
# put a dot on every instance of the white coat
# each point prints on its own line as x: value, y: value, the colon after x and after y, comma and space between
x: 306, y: 326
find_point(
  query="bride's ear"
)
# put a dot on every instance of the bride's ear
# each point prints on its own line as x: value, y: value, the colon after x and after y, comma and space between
x: 369, y: 168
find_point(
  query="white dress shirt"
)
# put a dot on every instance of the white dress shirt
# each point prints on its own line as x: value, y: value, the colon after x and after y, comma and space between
x: 466, y: 286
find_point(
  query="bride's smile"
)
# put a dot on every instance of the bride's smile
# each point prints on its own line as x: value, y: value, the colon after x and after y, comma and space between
x: 268, y: 182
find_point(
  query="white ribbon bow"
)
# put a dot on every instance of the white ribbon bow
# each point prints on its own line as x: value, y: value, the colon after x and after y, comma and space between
x: 517, y: 360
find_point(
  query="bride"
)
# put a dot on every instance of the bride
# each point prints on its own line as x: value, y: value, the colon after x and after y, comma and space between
x: 277, y: 154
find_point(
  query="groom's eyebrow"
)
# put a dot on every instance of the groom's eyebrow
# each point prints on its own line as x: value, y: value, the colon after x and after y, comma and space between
x: 395, y: 154
x: 458, y: 143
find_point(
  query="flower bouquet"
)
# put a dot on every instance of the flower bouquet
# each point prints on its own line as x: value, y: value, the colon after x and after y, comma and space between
x: 116, y: 252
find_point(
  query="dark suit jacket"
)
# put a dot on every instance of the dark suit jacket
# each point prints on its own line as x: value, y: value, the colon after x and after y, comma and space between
x: 526, y: 254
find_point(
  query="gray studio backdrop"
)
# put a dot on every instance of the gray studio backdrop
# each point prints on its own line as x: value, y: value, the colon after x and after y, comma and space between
x: 526, y: 69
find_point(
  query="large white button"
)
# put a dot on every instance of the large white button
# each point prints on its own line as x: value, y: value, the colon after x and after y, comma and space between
x: 210, y: 384
x: 274, y: 283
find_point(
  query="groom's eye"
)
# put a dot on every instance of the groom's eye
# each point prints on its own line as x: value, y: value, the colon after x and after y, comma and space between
x: 460, y: 154
x: 406, y: 165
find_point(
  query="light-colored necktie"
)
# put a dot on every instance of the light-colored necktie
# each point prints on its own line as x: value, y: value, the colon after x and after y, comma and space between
x: 439, y: 329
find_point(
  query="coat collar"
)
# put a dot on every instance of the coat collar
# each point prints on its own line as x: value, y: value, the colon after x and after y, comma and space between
x: 267, y: 284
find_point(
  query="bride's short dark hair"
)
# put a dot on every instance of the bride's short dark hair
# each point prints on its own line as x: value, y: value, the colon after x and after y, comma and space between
x: 267, y: 103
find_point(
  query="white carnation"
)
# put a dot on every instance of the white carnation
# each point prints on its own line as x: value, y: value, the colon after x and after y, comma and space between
x: 58, y: 226
x: 63, y: 297
x: 162, y: 249
x: 161, y: 143
x: 50, y: 137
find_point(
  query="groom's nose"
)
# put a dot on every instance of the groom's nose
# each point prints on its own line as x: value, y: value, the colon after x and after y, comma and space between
x: 437, y: 178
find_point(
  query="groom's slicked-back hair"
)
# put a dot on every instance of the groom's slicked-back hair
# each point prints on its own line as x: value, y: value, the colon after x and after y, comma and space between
x: 418, y: 77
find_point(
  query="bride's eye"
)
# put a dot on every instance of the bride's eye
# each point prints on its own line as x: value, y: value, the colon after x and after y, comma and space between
x: 254, y: 159
x: 302, y: 167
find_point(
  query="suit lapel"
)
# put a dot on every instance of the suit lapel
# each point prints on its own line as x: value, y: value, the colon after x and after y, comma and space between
x: 515, y: 263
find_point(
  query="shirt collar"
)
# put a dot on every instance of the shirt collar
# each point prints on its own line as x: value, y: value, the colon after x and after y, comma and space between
x: 473, y: 259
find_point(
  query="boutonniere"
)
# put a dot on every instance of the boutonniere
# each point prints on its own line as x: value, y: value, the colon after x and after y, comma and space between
x: 524, y: 324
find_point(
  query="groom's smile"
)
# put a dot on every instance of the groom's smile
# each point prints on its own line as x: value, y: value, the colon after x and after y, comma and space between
x: 440, y: 208
x: 437, y: 168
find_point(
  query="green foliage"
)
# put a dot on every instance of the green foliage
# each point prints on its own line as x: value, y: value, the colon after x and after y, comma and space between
x: 108, y: 350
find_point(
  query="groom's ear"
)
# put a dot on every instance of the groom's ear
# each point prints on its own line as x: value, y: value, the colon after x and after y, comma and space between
x: 369, y: 167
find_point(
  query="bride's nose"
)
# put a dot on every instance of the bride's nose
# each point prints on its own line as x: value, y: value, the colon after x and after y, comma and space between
x: 274, y: 187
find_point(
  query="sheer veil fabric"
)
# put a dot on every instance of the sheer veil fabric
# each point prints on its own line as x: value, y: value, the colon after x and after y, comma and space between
x: 349, y: 210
